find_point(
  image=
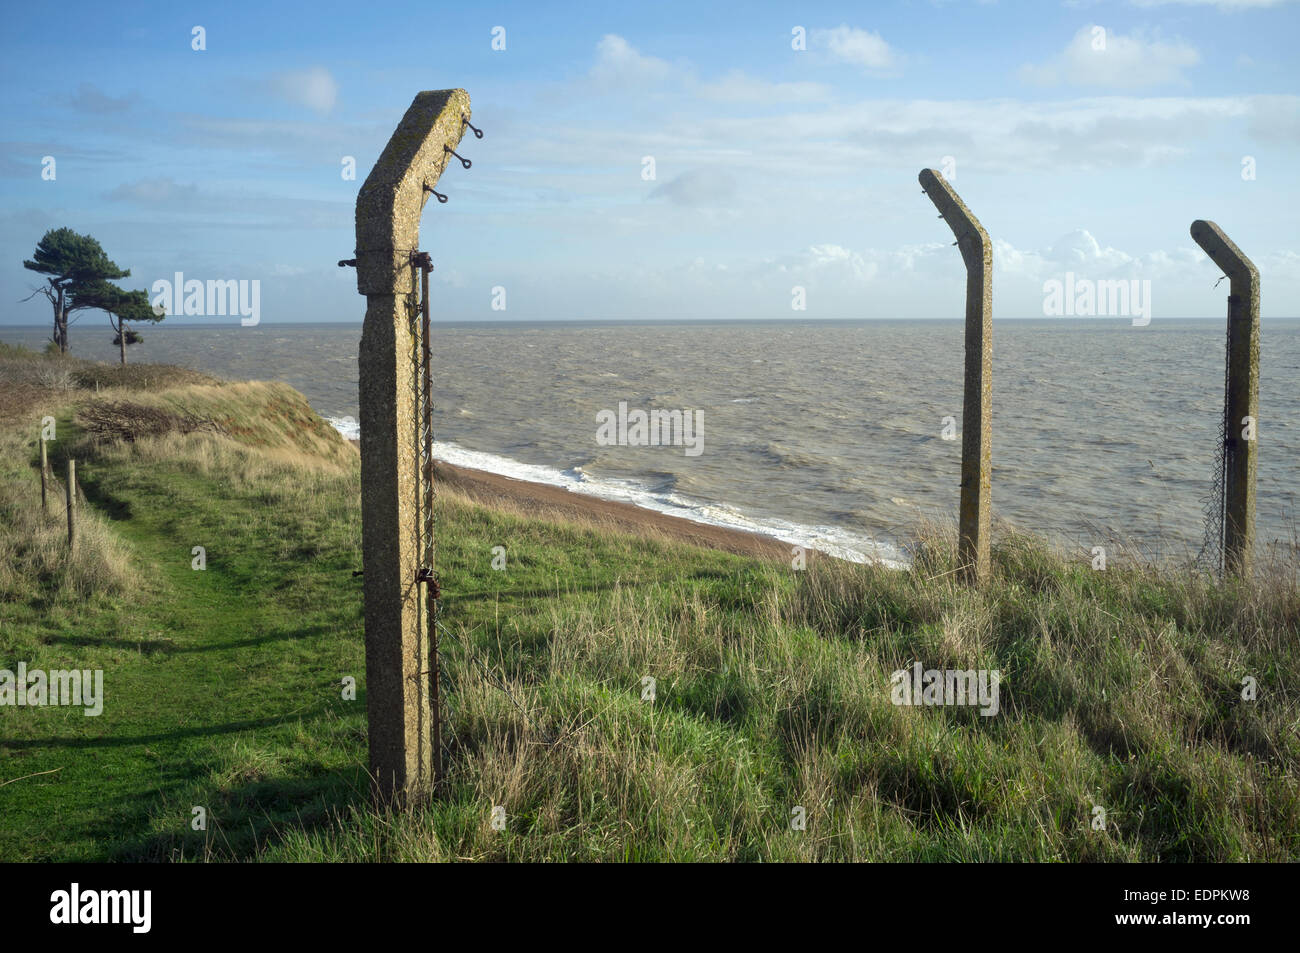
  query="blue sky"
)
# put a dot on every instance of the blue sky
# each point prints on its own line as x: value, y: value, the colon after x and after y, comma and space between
x: 774, y: 167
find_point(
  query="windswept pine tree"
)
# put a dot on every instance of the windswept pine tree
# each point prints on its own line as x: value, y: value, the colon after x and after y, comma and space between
x: 121, y: 305
x: 76, y: 268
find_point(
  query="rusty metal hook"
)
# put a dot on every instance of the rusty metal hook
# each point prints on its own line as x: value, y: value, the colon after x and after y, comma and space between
x: 463, y: 161
x: 478, y: 133
x: 438, y: 195
x: 430, y: 577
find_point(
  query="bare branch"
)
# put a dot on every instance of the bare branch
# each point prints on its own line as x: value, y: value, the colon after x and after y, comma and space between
x: 39, y: 291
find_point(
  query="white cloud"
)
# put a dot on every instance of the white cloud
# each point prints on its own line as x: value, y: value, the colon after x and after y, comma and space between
x: 91, y: 99
x: 618, y: 62
x: 833, y: 149
x: 699, y: 188
x: 161, y: 190
x: 859, y: 47
x: 1096, y: 56
x: 825, y: 263
x: 313, y: 88
x: 924, y: 280
x: 739, y: 87
x: 1079, y: 248
x: 1079, y: 251
x: 1221, y: 4
x: 225, y: 205
x: 998, y: 135
x: 619, y: 65
x: 1275, y: 119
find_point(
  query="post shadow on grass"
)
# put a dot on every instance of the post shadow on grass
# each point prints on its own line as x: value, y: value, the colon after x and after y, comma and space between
x: 144, y: 647
x: 245, y: 820
x: 197, y: 731
x: 240, y: 820
x: 251, y: 815
x: 92, y: 488
x: 127, y: 819
x: 171, y: 647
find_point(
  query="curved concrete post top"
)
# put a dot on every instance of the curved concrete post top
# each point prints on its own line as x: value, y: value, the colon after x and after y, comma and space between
x: 1223, y: 251
x: 393, y: 195
x: 971, y: 237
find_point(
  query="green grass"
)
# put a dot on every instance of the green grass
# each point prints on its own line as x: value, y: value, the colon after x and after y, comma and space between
x: 1119, y: 688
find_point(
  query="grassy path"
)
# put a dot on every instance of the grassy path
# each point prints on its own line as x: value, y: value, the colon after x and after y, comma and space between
x: 222, y: 685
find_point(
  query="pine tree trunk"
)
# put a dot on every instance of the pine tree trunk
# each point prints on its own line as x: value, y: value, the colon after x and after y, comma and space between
x: 60, y: 320
x: 121, y: 337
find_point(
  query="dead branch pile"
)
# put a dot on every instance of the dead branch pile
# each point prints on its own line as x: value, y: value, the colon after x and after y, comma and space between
x: 123, y: 420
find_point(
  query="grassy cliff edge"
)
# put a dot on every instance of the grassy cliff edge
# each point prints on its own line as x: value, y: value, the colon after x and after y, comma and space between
x: 1120, y: 690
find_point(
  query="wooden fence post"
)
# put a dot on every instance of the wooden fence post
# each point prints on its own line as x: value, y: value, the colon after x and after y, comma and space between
x: 71, y: 491
x: 977, y: 407
x: 396, y: 528
x: 45, y: 466
x: 1241, y: 400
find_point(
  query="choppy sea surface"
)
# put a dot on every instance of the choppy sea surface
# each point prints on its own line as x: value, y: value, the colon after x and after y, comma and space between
x: 826, y: 434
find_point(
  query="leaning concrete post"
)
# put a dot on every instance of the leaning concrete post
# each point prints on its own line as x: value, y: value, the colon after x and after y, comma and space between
x: 398, y: 641
x: 1241, y: 401
x: 977, y: 408
x: 71, y: 490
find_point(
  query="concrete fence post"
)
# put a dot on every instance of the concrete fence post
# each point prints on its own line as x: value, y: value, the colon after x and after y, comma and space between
x: 1241, y: 400
x: 399, y: 644
x: 977, y: 408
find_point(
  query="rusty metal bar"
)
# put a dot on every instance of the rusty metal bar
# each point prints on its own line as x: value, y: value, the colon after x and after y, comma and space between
x: 431, y: 592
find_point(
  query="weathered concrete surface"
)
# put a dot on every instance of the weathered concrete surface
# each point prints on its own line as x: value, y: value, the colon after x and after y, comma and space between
x: 1242, y: 398
x: 397, y: 638
x: 393, y: 195
x: 974, y: 518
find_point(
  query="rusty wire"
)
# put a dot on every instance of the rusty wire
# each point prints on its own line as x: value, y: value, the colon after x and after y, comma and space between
x: 1210, y: 558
